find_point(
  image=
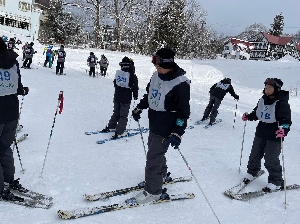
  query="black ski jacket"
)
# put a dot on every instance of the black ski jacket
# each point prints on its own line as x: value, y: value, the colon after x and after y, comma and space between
x: 220, y: 93
x: 177, y: 105
x: 267, y: 131
x: 124, y: 95
x: 9, y: 105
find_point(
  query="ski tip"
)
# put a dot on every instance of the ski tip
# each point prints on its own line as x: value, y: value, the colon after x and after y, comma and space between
x: 65, y: 214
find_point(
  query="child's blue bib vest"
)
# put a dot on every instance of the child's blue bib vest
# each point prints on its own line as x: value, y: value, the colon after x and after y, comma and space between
x: 158, y: 90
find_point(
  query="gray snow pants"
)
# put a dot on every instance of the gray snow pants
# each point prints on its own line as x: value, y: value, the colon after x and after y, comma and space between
x: 119, y: 118
x: 212, y: 108
x: 156, y: 164
x: 7, y: 168
x: 270, y: 150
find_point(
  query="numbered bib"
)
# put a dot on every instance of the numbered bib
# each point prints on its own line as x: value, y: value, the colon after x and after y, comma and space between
x: 266, y: 113
x: 222, y: 85
x: 8, y: 81
x: 60, y: 54
x: 158, y: 90
x: 122, y: 78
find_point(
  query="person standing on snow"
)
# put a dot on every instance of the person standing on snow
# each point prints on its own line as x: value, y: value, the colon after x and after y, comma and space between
x: 49, y: 53
x: 167, y: 97
x: 10, y: 87
x: 92, y: 61
x: 126, y: 85
x: 61, y: 56
x: 217, y: 93
x: 273, y: 111
x: 23, y: 50
x: 29, y: 51
x: 103, y: 65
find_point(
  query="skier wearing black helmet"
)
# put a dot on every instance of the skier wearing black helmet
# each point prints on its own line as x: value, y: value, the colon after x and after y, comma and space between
x: 274, y: 115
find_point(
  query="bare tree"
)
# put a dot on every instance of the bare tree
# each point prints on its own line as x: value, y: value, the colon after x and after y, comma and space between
x: 93, y: 9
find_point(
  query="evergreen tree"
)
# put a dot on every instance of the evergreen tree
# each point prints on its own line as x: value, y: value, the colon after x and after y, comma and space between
x: 59, y: 25
x: 169, y: 26
x: 277, y: 26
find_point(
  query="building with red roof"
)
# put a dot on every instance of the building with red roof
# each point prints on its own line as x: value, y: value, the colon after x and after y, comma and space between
x: 237, y: 49
x: 267, y: 45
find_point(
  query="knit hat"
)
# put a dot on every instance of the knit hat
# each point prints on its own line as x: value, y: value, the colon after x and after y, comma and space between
x: 164, y: 57
x: 31, y: 43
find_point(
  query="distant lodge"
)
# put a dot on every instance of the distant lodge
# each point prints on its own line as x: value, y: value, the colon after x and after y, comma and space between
x: 262, y: 46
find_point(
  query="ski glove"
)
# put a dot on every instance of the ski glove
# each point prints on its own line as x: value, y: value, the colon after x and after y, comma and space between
x: 135, y: 97
x: 245, y: 117
x: 174, y: 139
x: 136, y: 114
x: 237, y: 97
x: 280, y: 133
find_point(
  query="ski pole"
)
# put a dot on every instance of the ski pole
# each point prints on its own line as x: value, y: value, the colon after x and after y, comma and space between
x: 18, y: 125
x: 59, y: 109
x: 130, y: 123
x: 283, y: 170
x: 16, y: 144
x: 186, y: 163
x: 242, y: 146
x: 236, y: 106
x: 142, y: 137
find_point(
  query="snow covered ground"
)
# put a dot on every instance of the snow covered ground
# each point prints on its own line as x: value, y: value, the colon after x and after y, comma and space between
x: 76, y: 165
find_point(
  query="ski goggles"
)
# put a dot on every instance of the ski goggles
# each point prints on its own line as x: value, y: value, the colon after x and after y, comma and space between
x: 157, y: 60
x: 272, y: 82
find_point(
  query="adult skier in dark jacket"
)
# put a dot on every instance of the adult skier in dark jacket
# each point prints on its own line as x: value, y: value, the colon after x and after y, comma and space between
x: 217, y: 93
x: 126, y: 86
x: 10, y: 87
x: 273, y: 111
x: 167, y: 101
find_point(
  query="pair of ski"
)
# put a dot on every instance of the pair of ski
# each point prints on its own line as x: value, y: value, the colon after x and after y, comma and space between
x: 129, y: 203
x: 137, y: 132
x: 30, y: 198
x: 235, y: 192
x: 209, y: 125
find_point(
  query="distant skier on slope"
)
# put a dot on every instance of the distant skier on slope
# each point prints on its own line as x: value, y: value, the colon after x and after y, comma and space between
x: 217, y: 93
x: 92, y: 62
x: 103, y: 65
x: 61, y: 57
x: 272, y: 111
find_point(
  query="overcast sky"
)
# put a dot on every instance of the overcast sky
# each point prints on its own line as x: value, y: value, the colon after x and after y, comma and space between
x: 232, y: 16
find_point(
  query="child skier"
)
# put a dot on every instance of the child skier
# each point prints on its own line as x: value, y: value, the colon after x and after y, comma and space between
x: 61, y: 56
x: 126, y: 85
x: 217, y: 93
x: 103, y: 65
x: 49, y: 53
x: 273, y: 112
x: 91, y: 61
x: 29, y: 51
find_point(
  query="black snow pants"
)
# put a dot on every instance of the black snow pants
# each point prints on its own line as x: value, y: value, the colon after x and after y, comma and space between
x: 7, y: 168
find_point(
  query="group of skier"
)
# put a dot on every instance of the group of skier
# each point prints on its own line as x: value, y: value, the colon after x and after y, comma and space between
x: 167, y: 101
x: 92, y: 62
x: 50, y: 56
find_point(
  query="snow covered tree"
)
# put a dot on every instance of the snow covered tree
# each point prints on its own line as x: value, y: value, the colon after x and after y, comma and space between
x: 251, y: 31
x: 277, y: 26
x: 169, y: 26
x: 59, y: 25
